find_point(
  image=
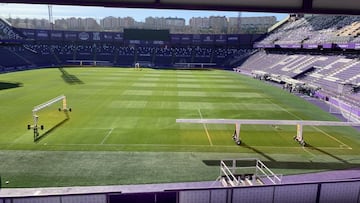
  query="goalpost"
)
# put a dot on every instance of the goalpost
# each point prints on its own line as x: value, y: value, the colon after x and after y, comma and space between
x: 42, y: 106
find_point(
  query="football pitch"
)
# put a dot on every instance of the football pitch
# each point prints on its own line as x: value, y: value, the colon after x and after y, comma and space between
x: 122, y: 127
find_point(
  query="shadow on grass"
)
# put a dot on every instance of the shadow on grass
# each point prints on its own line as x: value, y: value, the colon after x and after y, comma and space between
x: 46, y: 133
x: 326, y: 153
x: 9, y: 85
x: 70, y: 79
x: 292, y: 164
x: 273, y: 164
x: 243, y: 144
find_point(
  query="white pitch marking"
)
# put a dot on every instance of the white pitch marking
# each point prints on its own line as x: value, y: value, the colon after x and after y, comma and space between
x: 206, y: 130
x: 316, y: 128
x: 304, y: 148
x: 37, y: 192
x: 107, y: 135
x: 342, y: 144
x: 19, y: 138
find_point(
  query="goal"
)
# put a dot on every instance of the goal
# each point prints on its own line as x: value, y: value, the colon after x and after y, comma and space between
x: 52, y: 119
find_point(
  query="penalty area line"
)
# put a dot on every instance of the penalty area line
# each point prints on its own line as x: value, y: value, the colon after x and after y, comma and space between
x: 107, y: 135
x: 206, y: 130
x: 304, y: 148
x: 332, y: 137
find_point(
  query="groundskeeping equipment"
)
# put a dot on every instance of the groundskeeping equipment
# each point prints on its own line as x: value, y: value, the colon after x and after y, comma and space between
x: 37, y: 108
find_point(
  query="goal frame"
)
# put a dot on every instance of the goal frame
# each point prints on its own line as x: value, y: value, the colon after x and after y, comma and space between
x: 298, y: 123
x: 39, y: 107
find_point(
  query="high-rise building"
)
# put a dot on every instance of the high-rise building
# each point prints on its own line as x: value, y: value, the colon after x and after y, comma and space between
x: 251, y: 24
x: 89, y: 24
x: 110, y: 23
x: 199, y: 22
x: 126, y: 22
x: 218, y: 24
x: 175, y: 22
x: 155, y: 23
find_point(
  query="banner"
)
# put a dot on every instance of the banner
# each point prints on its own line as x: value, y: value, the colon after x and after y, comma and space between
x: 342, y: 46
x: 84, y: 36
x: 351, y: 45
x: 220, y: 39
x: 327, y: 46
x: 207, y: 39
x: 96, y: 36
x: 186, y: 39
x: 357, y: 46
x: 158, y: 42
x: 107, y: 36
x: 71, y: 36
x: 258, y: 45
x: 175, y: 38
x: 196, y: 39
x: 56, y: 35
x: 245, y: 39
x: 233, y: 39
x: 310, y: 46
x: 118, y: 37
x: 29, y: 33
x: 289, y: 46
x: 42, y: 34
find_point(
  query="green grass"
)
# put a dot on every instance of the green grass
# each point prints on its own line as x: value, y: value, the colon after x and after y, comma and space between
x: 122, y: 127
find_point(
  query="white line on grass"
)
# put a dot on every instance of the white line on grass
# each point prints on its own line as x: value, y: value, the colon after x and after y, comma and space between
x: 316, y: 128
x: 342, y: 144
x: 90, y: 128
x: 19, y: 138
x: 107, y: 135
x: 206, y: 130
x: 304, y: 148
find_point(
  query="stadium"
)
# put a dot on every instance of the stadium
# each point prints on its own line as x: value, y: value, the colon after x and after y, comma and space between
x: 147, y: 115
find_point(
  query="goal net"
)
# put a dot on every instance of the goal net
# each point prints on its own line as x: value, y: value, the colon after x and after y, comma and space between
x: 346, y: 110
x: 48, y: 116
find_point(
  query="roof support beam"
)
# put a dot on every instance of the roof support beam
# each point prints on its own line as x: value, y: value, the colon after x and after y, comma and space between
x: 307, y: 5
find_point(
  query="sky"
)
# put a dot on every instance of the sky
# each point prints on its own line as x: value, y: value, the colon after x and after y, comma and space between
x: 41, y: 11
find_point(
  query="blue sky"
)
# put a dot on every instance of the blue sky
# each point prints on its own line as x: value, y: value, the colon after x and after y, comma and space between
x: 41, y: 11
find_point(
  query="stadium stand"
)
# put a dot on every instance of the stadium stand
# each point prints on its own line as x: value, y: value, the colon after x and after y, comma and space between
x: 315, y: 29
x: 318, y: 53
x: 327, y: 69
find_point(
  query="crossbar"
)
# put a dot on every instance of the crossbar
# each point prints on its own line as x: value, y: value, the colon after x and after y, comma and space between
x: 48, y: 103
x: 268, y: 122
x: 44, y: 105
